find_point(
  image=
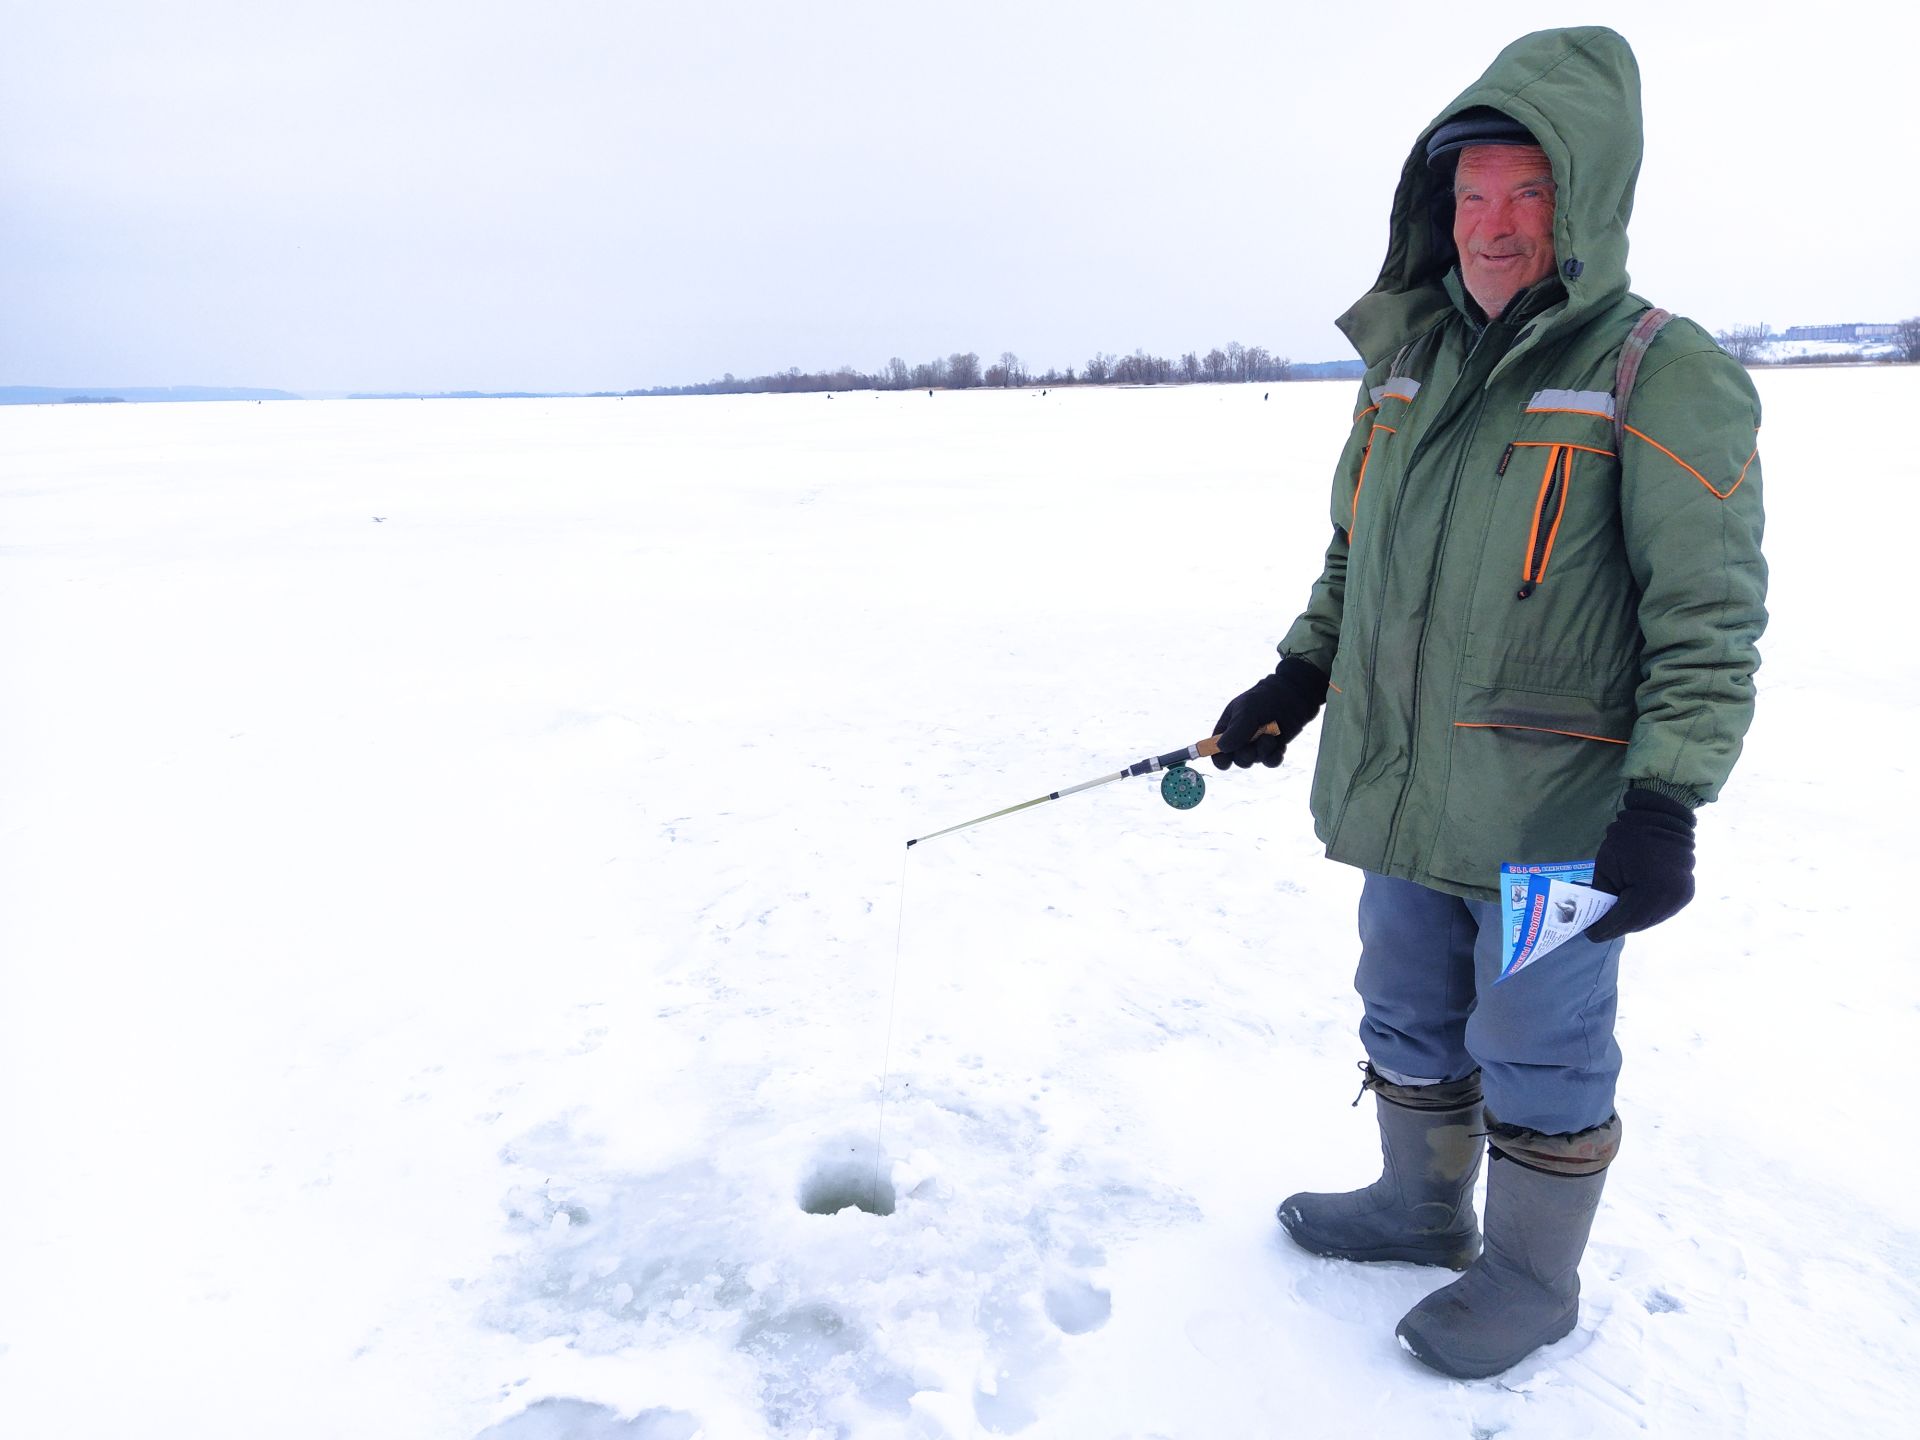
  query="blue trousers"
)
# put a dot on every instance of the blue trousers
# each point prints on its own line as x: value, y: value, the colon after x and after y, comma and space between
x: 1543, y: 1040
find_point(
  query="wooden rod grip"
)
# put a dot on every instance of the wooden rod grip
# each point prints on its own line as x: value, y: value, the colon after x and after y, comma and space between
x: 1211, y: 745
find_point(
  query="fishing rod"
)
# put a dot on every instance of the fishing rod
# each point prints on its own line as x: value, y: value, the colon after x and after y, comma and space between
x: 1179, y: 787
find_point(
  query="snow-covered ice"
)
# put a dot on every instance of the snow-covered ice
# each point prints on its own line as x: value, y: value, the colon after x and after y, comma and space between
x: 451, y: 877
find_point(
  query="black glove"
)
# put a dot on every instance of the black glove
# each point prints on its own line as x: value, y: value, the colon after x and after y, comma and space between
x: 1289, y: 697
x: 1647, y: 860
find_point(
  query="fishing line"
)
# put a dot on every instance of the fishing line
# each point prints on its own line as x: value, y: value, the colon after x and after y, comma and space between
x: 893, y: 1000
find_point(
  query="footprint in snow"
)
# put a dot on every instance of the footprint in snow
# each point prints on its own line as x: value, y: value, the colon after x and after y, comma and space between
x: 1077, y: 1306
x: 564, y: 1418
x: 1366, y: 1295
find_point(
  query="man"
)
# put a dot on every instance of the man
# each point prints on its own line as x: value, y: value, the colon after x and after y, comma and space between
x: 1534, y: 637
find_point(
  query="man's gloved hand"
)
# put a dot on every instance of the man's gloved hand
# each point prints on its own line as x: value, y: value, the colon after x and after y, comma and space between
x: 1647, y: 860
x: 1289, y: 698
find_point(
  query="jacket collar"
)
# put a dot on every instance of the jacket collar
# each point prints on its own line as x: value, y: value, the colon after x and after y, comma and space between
x: 1536, y: 299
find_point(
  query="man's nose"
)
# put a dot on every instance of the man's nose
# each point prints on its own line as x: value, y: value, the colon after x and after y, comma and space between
x: 1499, y: 217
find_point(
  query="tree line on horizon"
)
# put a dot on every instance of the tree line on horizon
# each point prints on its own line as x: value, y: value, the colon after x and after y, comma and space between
x: 1236, y: 363
x: 1748, y: 343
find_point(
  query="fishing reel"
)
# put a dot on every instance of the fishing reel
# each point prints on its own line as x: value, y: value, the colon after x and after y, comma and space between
x: 1181, y: 787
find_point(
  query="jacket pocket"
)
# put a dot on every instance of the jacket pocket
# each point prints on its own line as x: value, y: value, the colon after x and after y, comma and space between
x: 1548, y: 509
x: 1392, y: 400
x: 1532, y: 776
x: 1551, y: 585
x: 1375, y: 436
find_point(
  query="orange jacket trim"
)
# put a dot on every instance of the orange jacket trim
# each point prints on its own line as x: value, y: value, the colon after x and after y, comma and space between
x: 1539, y: 504
x: 1564, y: 410
x: 1559, y: 444
x: 1717, y: 494
x: 1365, y: 456
x: 1566, y: 484
x: 1543, y: 729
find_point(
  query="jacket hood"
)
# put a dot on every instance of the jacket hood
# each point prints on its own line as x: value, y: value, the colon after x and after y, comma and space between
x: 1578, y: 91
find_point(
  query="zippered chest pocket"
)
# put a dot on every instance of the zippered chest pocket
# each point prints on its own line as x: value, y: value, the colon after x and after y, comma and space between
x: 1376, y: 428
x: 1558, y: 484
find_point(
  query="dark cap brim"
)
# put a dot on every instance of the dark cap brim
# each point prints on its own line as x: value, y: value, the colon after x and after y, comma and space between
x: 1474, y: 127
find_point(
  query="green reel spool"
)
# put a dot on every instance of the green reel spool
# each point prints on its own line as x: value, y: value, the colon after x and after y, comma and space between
x: 1182, y: 788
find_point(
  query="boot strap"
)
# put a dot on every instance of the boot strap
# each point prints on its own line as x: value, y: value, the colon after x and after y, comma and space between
x: 1446, y: 1095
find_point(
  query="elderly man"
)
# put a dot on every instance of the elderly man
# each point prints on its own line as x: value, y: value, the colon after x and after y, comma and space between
x: 1534, y: 637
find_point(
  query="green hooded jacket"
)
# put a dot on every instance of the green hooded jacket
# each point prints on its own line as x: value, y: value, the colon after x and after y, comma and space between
x: 1518, y: 622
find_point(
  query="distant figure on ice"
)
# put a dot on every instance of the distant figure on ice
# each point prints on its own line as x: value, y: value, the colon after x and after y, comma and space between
x: 1534, y: 638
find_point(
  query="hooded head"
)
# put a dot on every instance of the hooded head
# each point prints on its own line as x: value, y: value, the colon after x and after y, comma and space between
x: 1576, y: 94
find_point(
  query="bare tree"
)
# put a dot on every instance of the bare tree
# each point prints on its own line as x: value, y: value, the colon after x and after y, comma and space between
x: 898, y: 376
x: 1906, y: 339
x: 1744, y: 342
x: 963, y: 371
x: 1140, y: 368
x: 1009, y: 367
x: 1215, y: 362
x: 1099, y: 369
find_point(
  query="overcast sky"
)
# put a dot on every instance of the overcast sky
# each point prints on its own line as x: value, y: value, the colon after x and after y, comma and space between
x: 604, y: 194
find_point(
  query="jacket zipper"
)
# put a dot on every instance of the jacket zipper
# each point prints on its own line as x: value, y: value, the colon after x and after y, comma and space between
x: 1433, y: 580
x: 1540, y: 543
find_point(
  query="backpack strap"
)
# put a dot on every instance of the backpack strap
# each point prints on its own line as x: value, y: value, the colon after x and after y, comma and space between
x: 1632, y: 353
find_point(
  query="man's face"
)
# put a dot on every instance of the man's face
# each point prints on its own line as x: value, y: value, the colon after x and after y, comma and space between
x: 1502, y: 221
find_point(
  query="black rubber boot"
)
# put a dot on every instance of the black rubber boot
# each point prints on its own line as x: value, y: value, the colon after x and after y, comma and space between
x: 1524, y: 1290
x: 1420, y: 1210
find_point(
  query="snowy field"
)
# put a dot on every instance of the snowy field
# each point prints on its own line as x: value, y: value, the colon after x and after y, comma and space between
x: 451, y: 879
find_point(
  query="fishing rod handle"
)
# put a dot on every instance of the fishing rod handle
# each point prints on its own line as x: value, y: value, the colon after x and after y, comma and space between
x: 1199, y: 751
x: 1211, y: 745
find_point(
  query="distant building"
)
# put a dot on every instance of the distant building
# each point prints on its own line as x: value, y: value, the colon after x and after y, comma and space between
x: 1840, y: 332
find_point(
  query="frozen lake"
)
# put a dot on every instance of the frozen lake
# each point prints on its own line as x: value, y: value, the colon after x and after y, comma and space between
x: 451, y: 879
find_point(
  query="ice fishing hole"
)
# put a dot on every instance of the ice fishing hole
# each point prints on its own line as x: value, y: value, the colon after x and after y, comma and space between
x: 845, y: 1175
